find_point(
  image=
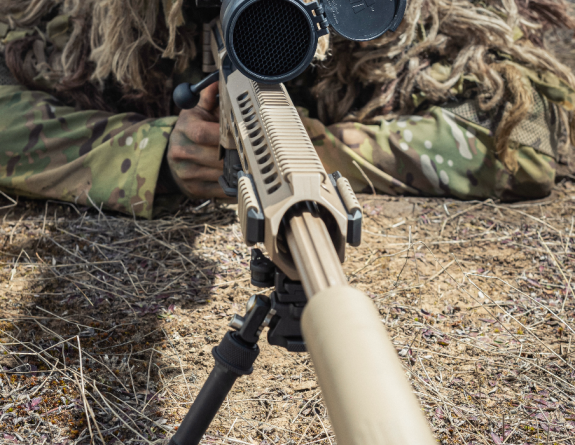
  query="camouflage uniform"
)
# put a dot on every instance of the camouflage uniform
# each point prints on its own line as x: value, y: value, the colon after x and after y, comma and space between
x: 87, y: 157
x: 435, y: 153
x: 48, y: 150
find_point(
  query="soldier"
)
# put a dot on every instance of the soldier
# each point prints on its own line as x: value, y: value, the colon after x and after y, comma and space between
x: 462, y: 100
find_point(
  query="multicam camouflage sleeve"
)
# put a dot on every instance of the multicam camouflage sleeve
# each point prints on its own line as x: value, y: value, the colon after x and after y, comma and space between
x: 88, y: 157
x: 436, y: 153
x: 113, y: 160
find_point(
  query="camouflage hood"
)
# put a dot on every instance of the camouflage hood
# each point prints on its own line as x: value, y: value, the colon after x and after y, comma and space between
x: 56, y: 45
x: 448, y: 51
x: 61, y: 45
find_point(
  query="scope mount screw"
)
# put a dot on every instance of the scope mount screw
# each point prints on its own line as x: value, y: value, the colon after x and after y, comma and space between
x: 236, y: 322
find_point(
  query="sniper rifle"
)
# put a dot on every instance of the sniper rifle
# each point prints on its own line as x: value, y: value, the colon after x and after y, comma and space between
x: 303, y: 216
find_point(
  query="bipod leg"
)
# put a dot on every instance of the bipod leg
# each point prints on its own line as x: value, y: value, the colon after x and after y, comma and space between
x: 234, y: 358
x: 237, y: 352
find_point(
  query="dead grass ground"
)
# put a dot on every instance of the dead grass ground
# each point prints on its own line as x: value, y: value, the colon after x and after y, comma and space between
x: 107, y: 322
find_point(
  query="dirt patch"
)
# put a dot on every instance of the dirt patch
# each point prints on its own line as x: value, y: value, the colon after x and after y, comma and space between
x: 561, y: 43
x: 477, y: 298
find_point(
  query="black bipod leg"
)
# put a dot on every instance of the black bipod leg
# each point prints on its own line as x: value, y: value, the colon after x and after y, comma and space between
x: 234, y: 358
x: 237, y: 352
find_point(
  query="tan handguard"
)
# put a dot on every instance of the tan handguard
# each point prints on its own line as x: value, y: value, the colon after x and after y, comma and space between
x: 282, y: 169
x: 280, y: 165
x: 369, y: 400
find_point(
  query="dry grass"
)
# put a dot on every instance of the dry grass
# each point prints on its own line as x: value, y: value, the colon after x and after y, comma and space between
x: 107, y: 322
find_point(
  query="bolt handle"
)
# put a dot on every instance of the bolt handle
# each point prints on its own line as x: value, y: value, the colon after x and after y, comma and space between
x: 187, y: 96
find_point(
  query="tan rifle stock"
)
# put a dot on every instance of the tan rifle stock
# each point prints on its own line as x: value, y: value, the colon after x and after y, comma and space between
x: 368, y: 397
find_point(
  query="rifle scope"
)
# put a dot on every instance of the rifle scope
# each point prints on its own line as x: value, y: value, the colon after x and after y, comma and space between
x: 273, y: 41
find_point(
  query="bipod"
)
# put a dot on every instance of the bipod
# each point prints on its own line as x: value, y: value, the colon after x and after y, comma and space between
x: 238, y: 350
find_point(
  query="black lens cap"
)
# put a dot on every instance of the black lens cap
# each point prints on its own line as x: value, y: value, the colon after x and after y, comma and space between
x: 362, y: 20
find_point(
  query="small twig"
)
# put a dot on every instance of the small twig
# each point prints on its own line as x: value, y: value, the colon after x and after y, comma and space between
x: 148, y: 382
x: 131, y: 378
x: 458, y: 214
x: 14, y: 201
x: 87, y: 408
x: 365, y: 177
x: 85, y: 296
x: 180, y: 362
x: 443, y: 269
x: 568, y: 283
x: 566, y: 294
x: 323, y: 426
x: 119, y: 416
x: 570, y: 233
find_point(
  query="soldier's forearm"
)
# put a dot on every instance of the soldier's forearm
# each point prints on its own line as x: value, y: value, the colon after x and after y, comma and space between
x: 91, y: 158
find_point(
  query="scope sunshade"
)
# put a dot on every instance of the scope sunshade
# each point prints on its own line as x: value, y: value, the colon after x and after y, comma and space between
x: 273, y: 41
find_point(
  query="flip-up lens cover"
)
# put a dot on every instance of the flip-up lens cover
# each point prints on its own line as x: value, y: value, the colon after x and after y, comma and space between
x: 362, y: 20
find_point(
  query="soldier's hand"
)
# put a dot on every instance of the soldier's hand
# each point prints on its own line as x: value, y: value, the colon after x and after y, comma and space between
x: 194, y: 147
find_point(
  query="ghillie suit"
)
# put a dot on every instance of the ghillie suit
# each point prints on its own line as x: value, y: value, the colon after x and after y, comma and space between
x: 131, y: 47
x: 462, y: 100
x: 447, y: 50
x: 450, y: 51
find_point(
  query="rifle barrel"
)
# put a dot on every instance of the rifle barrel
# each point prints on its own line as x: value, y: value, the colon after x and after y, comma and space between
x: 313, y: 253
x: 369, y: 400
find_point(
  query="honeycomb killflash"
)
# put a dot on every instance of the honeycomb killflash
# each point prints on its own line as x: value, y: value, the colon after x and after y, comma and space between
x: 272, y: 37
x: 271, y: 41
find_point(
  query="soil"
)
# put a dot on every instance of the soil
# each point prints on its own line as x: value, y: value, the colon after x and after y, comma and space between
x: 477, y: 297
